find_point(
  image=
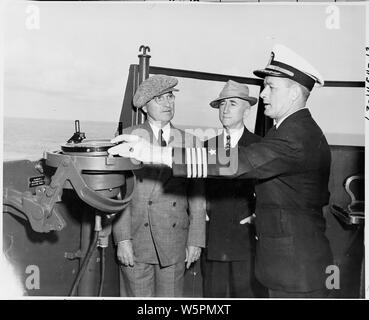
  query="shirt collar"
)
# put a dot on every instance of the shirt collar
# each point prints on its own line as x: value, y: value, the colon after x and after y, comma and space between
x: 166, y: 131
x: 235, y: 134
x: 285, y: 117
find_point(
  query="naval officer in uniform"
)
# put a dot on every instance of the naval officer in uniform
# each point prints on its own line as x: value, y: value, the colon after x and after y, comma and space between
x: 292, y: 164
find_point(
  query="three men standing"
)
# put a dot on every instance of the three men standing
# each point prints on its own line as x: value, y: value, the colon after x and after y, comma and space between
x: 292, y: 165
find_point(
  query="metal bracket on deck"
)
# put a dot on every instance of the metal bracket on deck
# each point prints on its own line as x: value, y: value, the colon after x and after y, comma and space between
x: 40, y: 209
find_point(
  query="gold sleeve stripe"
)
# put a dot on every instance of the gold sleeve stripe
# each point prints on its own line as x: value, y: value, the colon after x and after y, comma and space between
x: 188, y: 162
x: 199, y: 162
x: 204, y: 163
x: 194, y: 163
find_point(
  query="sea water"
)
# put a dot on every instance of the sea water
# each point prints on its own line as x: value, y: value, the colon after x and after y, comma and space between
x: 29, y: 138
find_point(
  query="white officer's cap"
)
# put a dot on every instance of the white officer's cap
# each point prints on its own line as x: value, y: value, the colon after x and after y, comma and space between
x: 286, y: 63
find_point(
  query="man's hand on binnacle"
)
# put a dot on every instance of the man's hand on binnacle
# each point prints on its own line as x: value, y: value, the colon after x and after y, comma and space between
x: 135, y: 147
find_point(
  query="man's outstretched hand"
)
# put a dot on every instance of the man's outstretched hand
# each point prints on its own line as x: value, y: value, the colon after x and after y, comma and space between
x: 137, y: 148
x: 131, y: 147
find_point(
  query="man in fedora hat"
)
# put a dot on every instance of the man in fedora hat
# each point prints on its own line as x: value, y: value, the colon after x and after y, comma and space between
x: 292, y: 165
x: 164, y: 225
x: 228, y: 261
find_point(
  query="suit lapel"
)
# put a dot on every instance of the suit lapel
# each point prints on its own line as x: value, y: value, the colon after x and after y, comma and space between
x: 244, y: 141
x: 248, y: 138
x: 164, y: 173
x: 220, y: 141
x: 154, y: 141
x: 176, y: 139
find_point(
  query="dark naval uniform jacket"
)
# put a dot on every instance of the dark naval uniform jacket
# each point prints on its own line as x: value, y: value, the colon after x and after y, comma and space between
x: 228, y: 202
x: 292, y: 164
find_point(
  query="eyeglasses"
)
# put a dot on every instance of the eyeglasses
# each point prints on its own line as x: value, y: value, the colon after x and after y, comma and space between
x: 170, y: 97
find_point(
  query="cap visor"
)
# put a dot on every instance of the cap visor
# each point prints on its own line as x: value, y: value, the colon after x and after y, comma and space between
x: 264, y: 73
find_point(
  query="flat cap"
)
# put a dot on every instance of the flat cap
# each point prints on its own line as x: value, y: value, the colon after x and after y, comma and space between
x: 286, y: 63
x: 153, y: 87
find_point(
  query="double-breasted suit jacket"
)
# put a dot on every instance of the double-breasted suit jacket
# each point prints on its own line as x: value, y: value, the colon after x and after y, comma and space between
x: 166, y: 213
x: 228, y: 202
x: 292, y: 165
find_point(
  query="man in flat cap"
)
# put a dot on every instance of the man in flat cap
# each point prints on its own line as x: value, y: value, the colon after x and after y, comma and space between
x: 228, y: 265
x: 164, y: 226
x: 292, y: 164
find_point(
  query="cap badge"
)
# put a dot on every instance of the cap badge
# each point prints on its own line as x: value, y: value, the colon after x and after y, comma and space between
x: 271, y: 58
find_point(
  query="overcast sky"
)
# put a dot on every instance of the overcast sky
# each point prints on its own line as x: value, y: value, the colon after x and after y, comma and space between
x: 75, y: 65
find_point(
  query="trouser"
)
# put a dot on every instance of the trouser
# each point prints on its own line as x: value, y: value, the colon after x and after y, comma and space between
x: 231, y: 278
x: 152, y: 280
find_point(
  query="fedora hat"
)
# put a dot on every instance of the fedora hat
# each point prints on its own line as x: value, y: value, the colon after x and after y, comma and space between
x: 233, y: 89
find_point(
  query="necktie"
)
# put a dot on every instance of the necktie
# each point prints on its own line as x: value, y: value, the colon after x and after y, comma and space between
x: 161, y: 139
x: 228, y: 145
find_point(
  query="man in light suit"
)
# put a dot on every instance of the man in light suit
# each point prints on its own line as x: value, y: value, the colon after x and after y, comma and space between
x: 164, y: 225
x: 228, y: 266
x: 292, y: 164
